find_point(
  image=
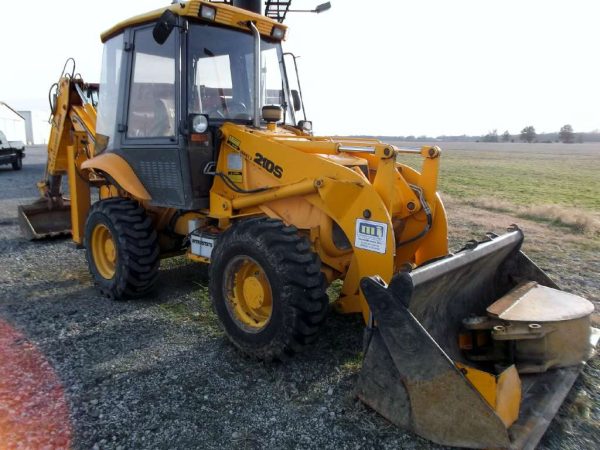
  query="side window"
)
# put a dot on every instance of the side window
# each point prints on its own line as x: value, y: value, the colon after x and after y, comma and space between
x: 273, y: 89
x: 109, y: 94
x: 152, y: 93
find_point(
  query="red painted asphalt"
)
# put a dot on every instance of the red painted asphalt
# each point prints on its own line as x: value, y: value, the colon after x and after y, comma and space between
x: 34, y: 413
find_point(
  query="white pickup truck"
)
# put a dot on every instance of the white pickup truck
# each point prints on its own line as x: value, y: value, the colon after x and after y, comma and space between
x: 11, y: 152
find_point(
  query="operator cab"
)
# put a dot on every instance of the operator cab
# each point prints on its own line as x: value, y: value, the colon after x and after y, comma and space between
x: 158, y: 76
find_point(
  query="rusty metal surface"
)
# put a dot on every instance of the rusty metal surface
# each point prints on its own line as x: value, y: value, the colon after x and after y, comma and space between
x: 416, y: 347
x: 40, y: 220
x: 566, y: 344
x: 547, y: 328
x: 467, y: 283
x: 379, y: 384
x: 542, y: 396
x: 466, y: 286
x: 444, y: 407
x: 468, y: 256
x: 531, y: 302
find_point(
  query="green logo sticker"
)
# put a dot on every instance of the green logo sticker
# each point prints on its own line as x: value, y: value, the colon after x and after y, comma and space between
x: 371, y: 235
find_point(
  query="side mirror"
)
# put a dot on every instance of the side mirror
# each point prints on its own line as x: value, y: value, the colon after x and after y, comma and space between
x: 163, y: 28
x: 323, y: 7
x: 296, y: 100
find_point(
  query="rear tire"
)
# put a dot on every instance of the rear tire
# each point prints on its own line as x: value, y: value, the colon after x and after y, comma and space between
x: 121, y: 248
x: 264, y: 259
x: 18, y: 163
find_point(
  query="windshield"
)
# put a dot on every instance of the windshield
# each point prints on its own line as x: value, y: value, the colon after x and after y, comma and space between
x: 221, y: 65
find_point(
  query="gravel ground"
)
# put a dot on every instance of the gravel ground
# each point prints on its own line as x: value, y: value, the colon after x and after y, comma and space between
x: 159, y: 373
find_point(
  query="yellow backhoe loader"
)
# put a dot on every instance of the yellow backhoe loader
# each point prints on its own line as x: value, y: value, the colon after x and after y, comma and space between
x: 195, y: 142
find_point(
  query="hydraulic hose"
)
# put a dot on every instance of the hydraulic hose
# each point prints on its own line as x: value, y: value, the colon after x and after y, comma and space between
x: 427, y: 212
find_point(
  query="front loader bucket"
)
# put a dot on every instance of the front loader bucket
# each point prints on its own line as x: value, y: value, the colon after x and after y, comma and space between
x: 44, y: 218
x: 414, y: 372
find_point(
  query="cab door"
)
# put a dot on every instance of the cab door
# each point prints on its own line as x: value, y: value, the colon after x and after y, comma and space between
x: 150, y: 137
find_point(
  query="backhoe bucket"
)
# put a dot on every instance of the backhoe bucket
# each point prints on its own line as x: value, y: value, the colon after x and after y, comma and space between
x: 415, y: 372
x: 44, y: 218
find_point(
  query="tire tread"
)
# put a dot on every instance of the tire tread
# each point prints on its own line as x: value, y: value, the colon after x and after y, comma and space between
x: 139, y: 252
x: 299, y: 269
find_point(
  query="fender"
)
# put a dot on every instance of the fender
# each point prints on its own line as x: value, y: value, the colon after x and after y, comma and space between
x: 120, y: 171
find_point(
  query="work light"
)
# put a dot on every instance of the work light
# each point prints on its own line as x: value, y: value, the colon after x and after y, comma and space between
x: 208, y: 12
x: 278, y: 33
x: 200, y: 123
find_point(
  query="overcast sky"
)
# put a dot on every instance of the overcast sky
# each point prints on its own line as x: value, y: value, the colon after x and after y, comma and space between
x: 391, y: 67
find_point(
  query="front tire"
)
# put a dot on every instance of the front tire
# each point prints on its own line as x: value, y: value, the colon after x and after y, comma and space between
x: 121, y: 248
x: 267, y: 288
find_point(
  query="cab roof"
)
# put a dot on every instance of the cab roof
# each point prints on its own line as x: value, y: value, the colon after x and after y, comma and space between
x: 226, y: 15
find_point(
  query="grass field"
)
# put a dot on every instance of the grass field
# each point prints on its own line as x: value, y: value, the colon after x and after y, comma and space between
x: 557, y: 183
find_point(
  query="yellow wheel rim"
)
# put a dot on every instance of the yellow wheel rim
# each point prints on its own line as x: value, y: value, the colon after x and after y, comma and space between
x: 248, y: 293
x: 104, y: 251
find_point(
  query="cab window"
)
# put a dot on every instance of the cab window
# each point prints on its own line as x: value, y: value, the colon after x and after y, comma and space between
x: 110, y: 80
x: 152, y: 108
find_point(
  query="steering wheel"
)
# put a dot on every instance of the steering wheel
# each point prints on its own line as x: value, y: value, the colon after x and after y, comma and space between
x: 235, y: 110
x: 216, y: 111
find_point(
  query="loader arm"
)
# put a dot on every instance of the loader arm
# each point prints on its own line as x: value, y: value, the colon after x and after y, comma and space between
x: 389, y: 217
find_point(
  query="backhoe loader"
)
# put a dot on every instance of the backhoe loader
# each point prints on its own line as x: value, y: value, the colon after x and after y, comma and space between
x: 195, y: 143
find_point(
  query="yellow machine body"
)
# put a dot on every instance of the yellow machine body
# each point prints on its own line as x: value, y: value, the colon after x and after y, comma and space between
x: 316, y: 193
x: 364, y: 212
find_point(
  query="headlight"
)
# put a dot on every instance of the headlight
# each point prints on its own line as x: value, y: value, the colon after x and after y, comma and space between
x: 208, y: 12
x: 306, y: 126
x: 278, y: 33
x: 200, y: 123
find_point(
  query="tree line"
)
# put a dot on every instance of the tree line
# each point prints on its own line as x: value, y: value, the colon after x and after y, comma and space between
x: 529, y: 135
x: 566, y: 134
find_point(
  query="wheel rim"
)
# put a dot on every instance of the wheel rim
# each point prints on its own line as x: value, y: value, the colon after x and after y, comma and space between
x: 104, y: 251
x: 247, y: 293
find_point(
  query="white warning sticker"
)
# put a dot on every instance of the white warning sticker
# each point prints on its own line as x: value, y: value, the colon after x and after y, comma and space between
x: 371, y: 235
x: 234, y: 161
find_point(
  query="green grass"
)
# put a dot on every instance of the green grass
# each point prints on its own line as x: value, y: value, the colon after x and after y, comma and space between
x: 521, y: 174
x: 524, y: 180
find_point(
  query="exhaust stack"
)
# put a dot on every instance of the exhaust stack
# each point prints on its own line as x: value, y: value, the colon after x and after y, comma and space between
x: 251, y: 5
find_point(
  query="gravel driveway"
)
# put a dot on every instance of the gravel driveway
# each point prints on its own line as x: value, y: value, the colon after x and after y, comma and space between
x: 159, y: 373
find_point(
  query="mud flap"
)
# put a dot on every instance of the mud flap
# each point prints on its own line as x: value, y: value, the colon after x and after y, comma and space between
x: 44, y: 218
x: 413, y: 367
